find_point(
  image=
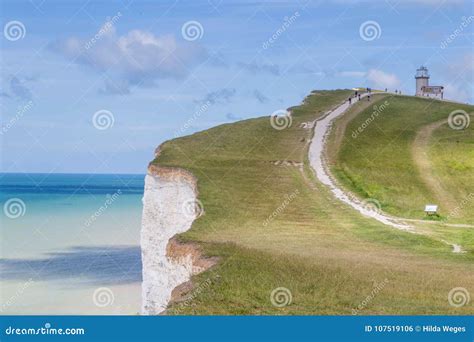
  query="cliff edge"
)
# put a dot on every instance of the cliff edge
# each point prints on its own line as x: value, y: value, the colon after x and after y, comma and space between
x: 170, y: 206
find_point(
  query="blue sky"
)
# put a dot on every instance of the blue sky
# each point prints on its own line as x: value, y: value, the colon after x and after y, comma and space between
x: 95, y: 86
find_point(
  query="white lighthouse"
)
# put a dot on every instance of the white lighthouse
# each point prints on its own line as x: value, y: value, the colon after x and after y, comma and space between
x: 423, y: 87
x: 422, y: 80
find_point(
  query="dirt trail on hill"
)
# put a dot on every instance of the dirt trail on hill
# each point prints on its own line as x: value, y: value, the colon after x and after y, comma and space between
x: 333, y: 148
x: 423, y: 164
x: 319, y: 163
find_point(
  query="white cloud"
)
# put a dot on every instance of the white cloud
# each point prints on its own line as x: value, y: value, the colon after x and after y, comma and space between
x: 351, y: 73
x: 138, y: 57
x: 382, y: 79
x: 255, y: 67
x: 18, y: 88
x: 260, y: 96
x: 462, y: 67
x: 220, y: 96
x: 456, y: 93
x: 459, y: 75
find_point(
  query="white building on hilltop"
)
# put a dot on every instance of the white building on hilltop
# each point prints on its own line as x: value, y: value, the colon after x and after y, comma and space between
x: 423, y: 87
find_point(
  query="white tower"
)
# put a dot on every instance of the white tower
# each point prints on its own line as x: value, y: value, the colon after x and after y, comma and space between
x: 422, y: 80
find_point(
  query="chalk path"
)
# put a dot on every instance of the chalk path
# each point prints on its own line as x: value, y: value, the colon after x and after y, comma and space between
x: 318, y: 163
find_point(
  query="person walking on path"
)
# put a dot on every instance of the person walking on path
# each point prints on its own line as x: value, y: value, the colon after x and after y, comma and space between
x: 368, y: 97
x: 359, y: 96
x: 350, y: 100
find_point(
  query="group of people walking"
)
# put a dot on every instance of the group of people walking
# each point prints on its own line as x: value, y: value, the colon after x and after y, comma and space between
x: 357, y: 95
x: 399, y: 92
x: 369, y: 93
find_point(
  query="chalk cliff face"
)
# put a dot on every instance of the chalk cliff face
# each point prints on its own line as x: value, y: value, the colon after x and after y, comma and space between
x: 169, y: 208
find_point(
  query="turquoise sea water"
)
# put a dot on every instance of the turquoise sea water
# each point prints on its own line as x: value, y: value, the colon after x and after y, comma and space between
x: 70, y: 243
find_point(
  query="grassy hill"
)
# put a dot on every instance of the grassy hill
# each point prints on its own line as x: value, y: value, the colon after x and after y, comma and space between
x: 380, y: 163
x: 452, y: 156
x: 273, y: 225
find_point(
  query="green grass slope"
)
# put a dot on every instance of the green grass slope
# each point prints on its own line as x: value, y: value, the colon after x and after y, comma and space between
x: 272, y: 225
x: 452, y: 157
x: 378, y: 162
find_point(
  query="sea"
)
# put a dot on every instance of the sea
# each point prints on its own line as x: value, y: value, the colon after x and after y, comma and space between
x: 70, y: 244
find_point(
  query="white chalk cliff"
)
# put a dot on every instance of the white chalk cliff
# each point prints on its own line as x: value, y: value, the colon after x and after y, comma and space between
x: 167, y: 192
